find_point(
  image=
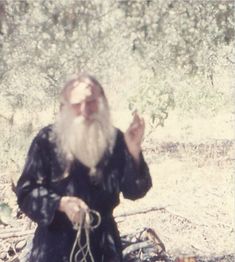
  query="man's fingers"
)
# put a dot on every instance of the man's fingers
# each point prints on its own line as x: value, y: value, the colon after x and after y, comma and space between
x: 79, y: 203
x: 134, y: 112
x: 78, y: 215
x: 136, y: 117
x: 142, y: 122
x: 76, y: 209
x: 81, y: 217
x: 138, y: 122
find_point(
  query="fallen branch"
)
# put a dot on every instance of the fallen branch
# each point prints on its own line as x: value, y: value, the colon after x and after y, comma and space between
x: 16, y: 233
x: 12, y: 229
x: 142, y: 211
x: 135, y: 247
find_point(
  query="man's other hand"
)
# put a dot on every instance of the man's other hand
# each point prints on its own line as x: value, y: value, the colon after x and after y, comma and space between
x: 74, y: 208
x: 134, y: 136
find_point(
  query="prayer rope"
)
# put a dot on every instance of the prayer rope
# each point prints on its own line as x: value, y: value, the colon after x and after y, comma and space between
x: 86, y: 220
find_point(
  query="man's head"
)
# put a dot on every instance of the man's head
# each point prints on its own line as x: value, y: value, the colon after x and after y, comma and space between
x: 84, y: 129
x: 82, y: 95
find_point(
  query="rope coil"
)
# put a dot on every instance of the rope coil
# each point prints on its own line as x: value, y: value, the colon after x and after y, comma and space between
x: 86, y: 222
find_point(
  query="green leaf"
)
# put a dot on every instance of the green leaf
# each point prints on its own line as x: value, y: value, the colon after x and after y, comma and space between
x: 5, y: 214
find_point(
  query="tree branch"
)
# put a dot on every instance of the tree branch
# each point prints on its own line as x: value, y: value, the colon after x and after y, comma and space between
x: 142, y: 211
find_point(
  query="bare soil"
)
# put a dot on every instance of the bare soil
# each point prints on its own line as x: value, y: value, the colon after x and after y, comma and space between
x: 195, y: 197
x: 190, y: 206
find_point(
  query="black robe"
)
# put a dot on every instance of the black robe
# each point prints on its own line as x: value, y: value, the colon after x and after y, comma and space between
x: 42, y: 185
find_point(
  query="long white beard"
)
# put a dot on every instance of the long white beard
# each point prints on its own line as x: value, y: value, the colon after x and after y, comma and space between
x: 82, y: 140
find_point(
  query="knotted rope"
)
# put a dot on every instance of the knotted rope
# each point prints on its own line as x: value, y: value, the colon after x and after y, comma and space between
x: 86, y: 223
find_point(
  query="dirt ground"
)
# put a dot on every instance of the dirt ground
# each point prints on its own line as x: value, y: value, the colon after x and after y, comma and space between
x: 190, y: 206
x: 196, y: 209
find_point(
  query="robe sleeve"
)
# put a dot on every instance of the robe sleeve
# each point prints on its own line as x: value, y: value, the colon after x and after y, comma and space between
x: 136, y: 180
x: 34, y: 196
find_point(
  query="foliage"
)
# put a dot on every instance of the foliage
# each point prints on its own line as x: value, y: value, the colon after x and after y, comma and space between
x: 154, y: 97
x: 154, y: 55
x: 185, y: 34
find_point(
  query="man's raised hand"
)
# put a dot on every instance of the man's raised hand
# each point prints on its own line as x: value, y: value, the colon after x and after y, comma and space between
x: 134, y: 136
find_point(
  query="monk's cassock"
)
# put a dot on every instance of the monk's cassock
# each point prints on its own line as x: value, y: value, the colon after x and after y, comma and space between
x: 43, y: 183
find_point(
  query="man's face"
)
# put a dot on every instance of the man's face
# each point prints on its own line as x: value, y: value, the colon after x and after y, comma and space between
x: 84, y: 99
x: 84, y: 128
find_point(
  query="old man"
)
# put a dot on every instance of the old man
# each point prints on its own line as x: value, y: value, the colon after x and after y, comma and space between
x: 73, y: 176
